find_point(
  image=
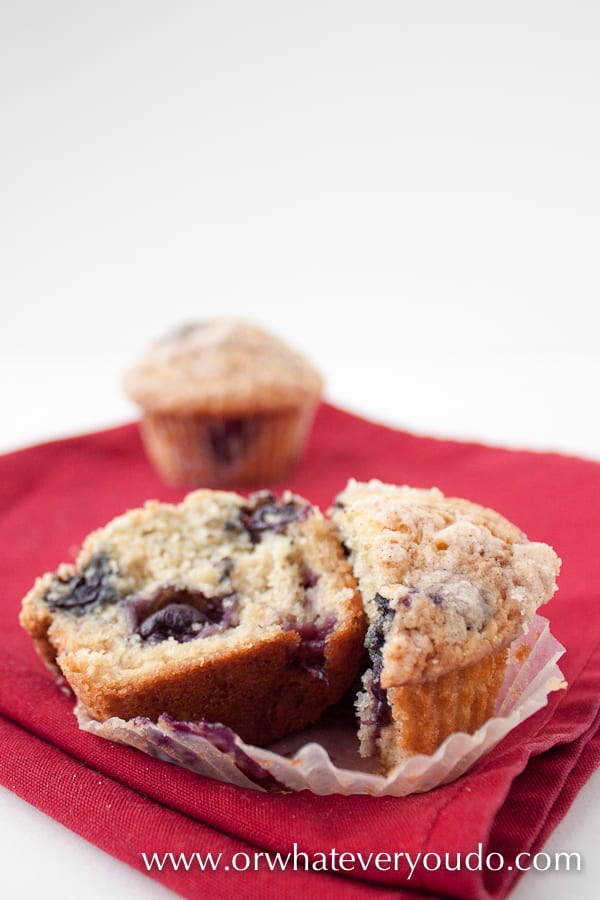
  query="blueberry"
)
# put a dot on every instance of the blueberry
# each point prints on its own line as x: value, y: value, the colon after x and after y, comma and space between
x: 176, y: 620
x: 229, y: 439
x: 374, y: 641
x: 309, y: 655
x: 267, y: 514
x: 91, y: 588
x: 308, y: 578
x: 180, y: 613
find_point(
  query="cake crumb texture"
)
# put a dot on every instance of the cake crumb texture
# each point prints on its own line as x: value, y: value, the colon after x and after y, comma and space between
x: 224, y: 608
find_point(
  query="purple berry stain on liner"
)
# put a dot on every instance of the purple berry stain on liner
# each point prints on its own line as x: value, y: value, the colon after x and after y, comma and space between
x: 225, y: 740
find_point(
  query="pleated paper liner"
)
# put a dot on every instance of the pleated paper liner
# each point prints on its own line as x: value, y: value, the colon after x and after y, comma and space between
x: 324, y: 759
x: 200, y: 451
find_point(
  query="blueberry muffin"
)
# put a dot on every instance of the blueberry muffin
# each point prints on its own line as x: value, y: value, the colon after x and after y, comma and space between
x: 224, y: 609
x: 224, y: 404
x: 447, y: 585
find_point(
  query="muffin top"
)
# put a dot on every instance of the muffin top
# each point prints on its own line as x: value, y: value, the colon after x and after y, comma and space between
x: 224, y: 367
x: 450, y: 580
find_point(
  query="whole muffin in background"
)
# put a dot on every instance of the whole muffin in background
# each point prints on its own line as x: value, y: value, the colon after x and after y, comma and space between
x: 224, y: 403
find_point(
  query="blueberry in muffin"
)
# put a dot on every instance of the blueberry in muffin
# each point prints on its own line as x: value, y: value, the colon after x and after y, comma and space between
x: 447, y: 586
x: 225, y: 609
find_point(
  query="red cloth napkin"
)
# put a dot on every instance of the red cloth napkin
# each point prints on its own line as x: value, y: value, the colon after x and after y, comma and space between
x: 128, y: 803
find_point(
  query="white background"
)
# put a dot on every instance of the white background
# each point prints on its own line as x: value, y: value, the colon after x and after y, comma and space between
x: 407, y: 191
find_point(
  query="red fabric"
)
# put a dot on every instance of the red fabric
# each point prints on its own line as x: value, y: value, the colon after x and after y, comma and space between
x: 52, y: 495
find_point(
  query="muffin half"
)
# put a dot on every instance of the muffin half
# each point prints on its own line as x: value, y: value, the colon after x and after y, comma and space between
x: 447, y: 585
x: 224, y: 609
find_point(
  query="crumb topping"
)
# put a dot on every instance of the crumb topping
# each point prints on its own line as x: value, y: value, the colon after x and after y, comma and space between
x: 222, y: 367
x: 462, y: 580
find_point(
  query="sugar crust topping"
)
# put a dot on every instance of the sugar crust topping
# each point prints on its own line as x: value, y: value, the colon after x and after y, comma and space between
x: 461, y: 580
x: 224, y: 367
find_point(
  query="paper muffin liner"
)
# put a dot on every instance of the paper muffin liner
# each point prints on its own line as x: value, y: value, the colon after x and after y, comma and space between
x: 220, y: 451
x: 423, y: 714
x: 324, y: 759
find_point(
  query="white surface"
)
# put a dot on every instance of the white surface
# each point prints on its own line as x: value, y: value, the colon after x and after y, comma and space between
x: 407, y: 191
